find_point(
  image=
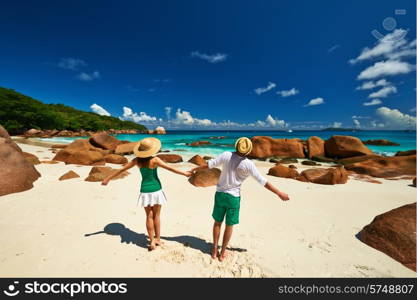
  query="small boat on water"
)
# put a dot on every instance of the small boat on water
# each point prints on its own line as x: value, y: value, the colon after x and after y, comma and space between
x: 289, y: 130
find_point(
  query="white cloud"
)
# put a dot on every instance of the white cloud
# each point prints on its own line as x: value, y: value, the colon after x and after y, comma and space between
x: 360, y: 117
x: 386, y: 68
x: 336, y: 125
x: 395, y: 119
x: 372, y: 102
x: 168, y: 110
x: 71, y: 63
x: 229, y: 124
x: 88, y: 77
x: 274, y: 122
x: 315, y: 101
x: 368, y: 85
x: 99, y: 110
x: 287, y: 93
x: 413, y: 110
x: 331, y: 49
x: 357, y: 123
x: 211, y: 58
x: 257, y: 124
x: 128, y: 114
x: 384, y: 92
x: 262, y: 90
x: 375, y: 124
x: 185, y: 118
x: 393, y: 46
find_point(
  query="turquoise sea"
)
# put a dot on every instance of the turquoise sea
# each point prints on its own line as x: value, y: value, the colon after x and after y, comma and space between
x: 177, y: 140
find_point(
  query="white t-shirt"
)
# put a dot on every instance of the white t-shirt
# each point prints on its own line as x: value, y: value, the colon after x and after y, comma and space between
x: 235, y: 170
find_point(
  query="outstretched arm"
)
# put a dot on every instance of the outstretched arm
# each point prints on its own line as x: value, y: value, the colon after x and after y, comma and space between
x: 164, y: 165
x: 258, y: 177
x: 118, y: 172
x: 282, y: 195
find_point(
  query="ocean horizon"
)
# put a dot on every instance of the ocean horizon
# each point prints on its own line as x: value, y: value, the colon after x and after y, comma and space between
x: 177, y: 140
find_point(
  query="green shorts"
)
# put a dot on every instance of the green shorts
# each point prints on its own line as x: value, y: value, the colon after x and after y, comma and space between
x: 226, y: 204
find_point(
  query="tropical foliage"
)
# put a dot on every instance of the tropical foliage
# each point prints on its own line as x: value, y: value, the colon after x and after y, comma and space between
x: 19, y: 113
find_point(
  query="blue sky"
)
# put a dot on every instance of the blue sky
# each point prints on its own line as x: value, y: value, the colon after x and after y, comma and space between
x: 296, y: 64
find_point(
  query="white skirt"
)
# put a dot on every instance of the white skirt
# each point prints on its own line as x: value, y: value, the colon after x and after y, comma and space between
x: 151, y: 199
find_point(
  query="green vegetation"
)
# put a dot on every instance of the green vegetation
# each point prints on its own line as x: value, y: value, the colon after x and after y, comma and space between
x: 19, y: 113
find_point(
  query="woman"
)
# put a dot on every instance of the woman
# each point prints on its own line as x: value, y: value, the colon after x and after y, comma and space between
x: 151, y: 195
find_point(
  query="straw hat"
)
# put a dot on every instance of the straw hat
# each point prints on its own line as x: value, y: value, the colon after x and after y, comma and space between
x: 243, y: 145
x: 147, y: 147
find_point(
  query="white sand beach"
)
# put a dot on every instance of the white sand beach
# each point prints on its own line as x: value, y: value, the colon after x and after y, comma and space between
x: 43, y: 230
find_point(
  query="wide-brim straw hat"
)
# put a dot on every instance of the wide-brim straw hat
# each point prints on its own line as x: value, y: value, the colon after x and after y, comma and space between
x: 243, y: 145
x: 147, y: 147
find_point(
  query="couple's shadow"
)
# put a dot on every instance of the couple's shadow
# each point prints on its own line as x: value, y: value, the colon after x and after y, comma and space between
x: 129, y: 236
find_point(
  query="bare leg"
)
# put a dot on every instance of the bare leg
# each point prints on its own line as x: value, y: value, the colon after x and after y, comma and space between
x: 150, y: 227
x: 157, y: 223
x: 226, y: 238
x: 216, y: 234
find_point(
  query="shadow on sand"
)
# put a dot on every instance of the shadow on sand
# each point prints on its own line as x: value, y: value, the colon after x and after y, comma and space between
x: 129, y: 236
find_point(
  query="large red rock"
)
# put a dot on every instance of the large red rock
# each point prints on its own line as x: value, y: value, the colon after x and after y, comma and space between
x: 82, y: 158
x: 315, y: 147
x: 197, y: 160
x: 336, y: 175
x: 125, y: 148
x: 205, y: 177
x: 351, y: 160
x: 170, y: 158
x: 4, y: 133
x: 81, y: 152
x: 199, y: 143
x: 265, y: 146
x: 16, y: 173
x: 99, y: 173
x: 160, y: 130
x: 115, y: 159
x: 69, y: 175
x: 32, y: 132
x: 394, y: 233
x: 385, y: 167
x: 104, y: 140
x: 32, y: 159
x: 406, y: 153
x: 7, y: 139
x: 380, y: 142
x: 283, y: 171
x: 342, y: 146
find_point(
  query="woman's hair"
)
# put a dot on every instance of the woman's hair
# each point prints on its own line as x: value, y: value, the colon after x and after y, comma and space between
x: 143, y: 161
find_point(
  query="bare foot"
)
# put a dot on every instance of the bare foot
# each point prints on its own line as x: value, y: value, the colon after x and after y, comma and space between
x: 222, y: 256
x: 159, y: 242
x: 152, y: 246
x: 214, y: 252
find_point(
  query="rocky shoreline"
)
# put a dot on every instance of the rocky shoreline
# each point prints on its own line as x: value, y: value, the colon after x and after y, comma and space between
x: 50, y: 133
x: 345, y: 156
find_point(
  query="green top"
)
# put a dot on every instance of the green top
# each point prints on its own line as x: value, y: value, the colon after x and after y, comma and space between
x: 150, y: 181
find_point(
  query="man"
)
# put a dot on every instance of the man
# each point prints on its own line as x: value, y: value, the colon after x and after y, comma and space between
x: 236, y: 168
